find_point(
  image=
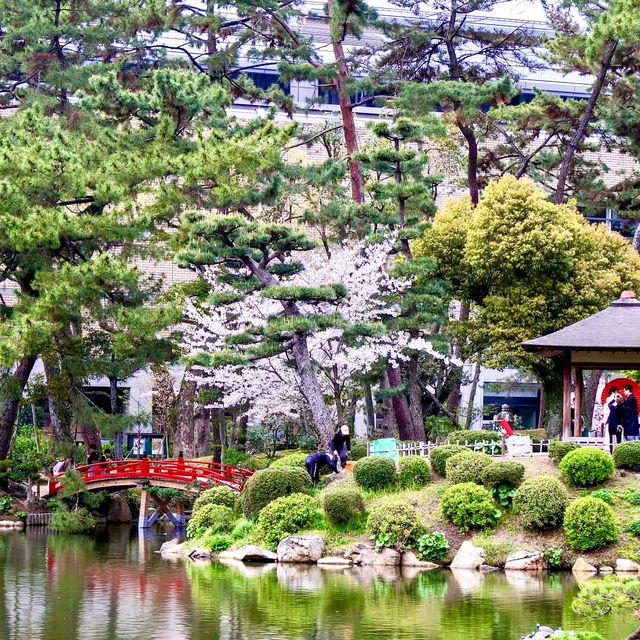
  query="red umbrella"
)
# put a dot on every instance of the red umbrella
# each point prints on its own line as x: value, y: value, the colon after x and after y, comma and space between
x: 619, y: 383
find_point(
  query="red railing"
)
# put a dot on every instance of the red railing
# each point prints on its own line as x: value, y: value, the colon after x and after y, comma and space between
x: 184, y: 471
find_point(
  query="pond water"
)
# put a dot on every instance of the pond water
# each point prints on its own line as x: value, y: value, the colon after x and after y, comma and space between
x: 114, y: 586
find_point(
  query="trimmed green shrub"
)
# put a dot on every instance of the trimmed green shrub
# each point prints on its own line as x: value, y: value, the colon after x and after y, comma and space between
x: 235, y: 457
x: 432, y: 546
x: 413, y: 471
x: 256, y: 463
x: 467, y: 467
x: 633, y: 527
x: 79, y: 521
x: 242, y: 528
x: 589, y: 523
x: 471, y: 436
x: 576, y: 635
x: 375, y: 472
x: 626, y: 455
x: 216, y: 495
x: 586, y: 466
x: 558, y: 449
x: 288, y: 515
x: 395, y: 524
x: 498, y: 474
x: 291, y: 460
x: 215, y: 518
x: 439, y: 456
x: 216, y: 541
x: 541, y: 502
x: 604, y: 494
x: 470, y: 506
x: 343, y: 504
x: 358, y: 450
x: 267, y: 485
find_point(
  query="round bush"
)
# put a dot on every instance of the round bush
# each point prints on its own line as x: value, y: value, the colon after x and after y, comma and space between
x: 343, y: 504
x: 235, y: 457
x: 471, y: 436
x: 467, y: 467
x: 256, y: 463
x: 292, y: 460
x: 397, y: 524
x: 216, y: 542
x: 375, y: 472
x: 470, y: 506
x: 216, y: 495
x: 626, y: 455
x: 558, y: 449
x: 439, y: 456
x: 413, y: 471
x: 267, y: 485
x: 541, y: 502
x: 358, y: 450
x: 498, y: 474
x: 288, y: 515
x: 586, y: 466
x: 214, y: 518
x: 589, y: 523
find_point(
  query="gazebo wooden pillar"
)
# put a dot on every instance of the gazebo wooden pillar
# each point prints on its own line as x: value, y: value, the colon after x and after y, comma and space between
x: 609, y: 340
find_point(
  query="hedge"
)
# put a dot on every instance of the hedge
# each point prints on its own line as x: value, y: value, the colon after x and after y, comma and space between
x: 413, y: 471
x: 558, y: 449
x: 541, y: 502
x: 375, y: 472
x: 343, y: 504
x: 441, y: 454
x: 589, y: 523
x: 288, y: 515
x: 267, y: 485
x: 586, y: 467
x: 626, y: 455
x: 498, y: 474
x: 467, y: 466
x: 470, y: 506
x: 397, y: 522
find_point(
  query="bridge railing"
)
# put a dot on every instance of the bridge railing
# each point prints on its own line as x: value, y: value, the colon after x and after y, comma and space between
x: 183, y: 471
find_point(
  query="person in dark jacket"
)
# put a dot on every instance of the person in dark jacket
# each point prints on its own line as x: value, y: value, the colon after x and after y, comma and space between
x: 93, y: 456
x: 615, y: 419
x: 630, y: 413
x: 315, y: 463
x: 340, y: 444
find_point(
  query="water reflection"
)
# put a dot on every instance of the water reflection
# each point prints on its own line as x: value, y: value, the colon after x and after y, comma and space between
x: 116, y: 587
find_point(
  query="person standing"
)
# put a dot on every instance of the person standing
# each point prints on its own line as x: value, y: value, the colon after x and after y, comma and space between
x: 340, y: 444
x: 93, y: 456
x: 630, y: 414
x: 615, y: 419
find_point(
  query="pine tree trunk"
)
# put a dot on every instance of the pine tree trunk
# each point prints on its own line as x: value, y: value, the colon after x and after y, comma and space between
x: 400, y: 405
x: 113, y: 405
x: 14, y: 384
x: 368, y: 403
x: 591, y: 384
x: 59, y: 400
x: 415, y: 400
x: 387, y: 423
x: 472, y: 394
x: 192, y: 426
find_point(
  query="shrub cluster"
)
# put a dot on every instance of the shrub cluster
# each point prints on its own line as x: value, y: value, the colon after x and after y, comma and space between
x: 470, y: 506
x: 440, y: 455
x: 235, y: 457
x: 498, y: 474
x: 586, y: 466
x: 432, y: 546
x: 558, y: 449
x: 467, y: 467
x: 472, y: 436
x: 343, y: 504
x: 541, y: 502
x: 288, y: 515
x: 375, y: 472
x: 589, y: 523
x: 215, y: 518
x: 290, y: 460
x: 413, y: 471
x: 219, y: 494
x: 79, y: 521
x: 396, y: 523
x: 216, y: 541
x: 267, y: 485
x: 358, y: 450
x: 626, y: 455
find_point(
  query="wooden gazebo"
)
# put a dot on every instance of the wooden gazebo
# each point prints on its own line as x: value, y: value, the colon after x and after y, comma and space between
x: 609, y: 339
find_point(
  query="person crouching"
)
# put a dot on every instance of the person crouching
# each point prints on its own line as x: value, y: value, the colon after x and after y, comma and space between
x: 315, y: 462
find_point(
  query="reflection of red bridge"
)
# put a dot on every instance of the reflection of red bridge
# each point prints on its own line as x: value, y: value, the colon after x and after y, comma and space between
x: 173, y: 474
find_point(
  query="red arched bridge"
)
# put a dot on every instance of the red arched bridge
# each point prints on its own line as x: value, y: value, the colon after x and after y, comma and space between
x: 174, y: 474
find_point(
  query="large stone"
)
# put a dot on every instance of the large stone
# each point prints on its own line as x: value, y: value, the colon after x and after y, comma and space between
x: 119, y: 510
x: 301, y: 549
x: 624, y: 565
x: 410, y: 559
x: 366, y: 555
x: 469, y: 557
x: 525, y: 561
x: 582, y: 566
x: 169, y: 544
x: 249, y: 553
x: 201, y: 553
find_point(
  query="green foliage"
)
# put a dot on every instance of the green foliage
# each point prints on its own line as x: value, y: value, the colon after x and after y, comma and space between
x: 589, y: 523
x: 467, y: 467
x: 288, y: 515
x: 504, y: 494
x: 171, y: 496
x: 471, y: 437
x: 242, y: 529
x: 432, y: 546
x: 220, y: 494
x: 470, y: 506
x: 440, y: 455
x: 79, y: 521
x: 558, y: 449
x: 576, y: 635
x: 358, y: 450
x: 214, y: 518
x: 587, y: 466
x: 633, y: 527
x: 235, y: 457
x: 541, y: 502
x: 631, y: 495
x: 216, y: 541
x: 291, y: 460
x: 626, y: 455
x: 398, y: 523
x: 437, y: 427
x: 6, y: 504
x: 612, y: 594
x: 499, y: 474
x: 269, y: 484
x: 375, y: 473
x: 413, y: 471
x: 553, y: 556
x: 343, y: 504
x: 607, y: 495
